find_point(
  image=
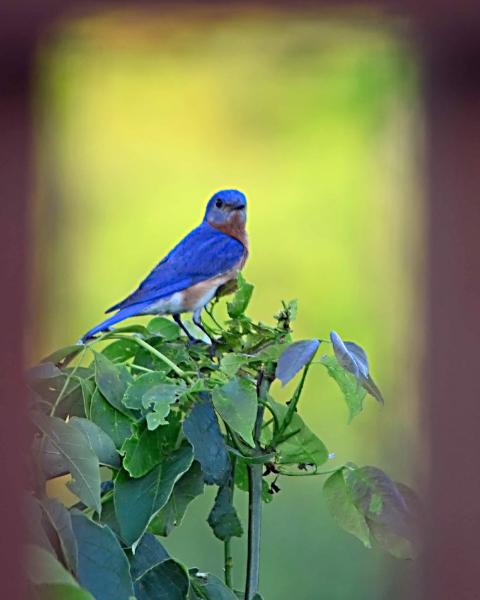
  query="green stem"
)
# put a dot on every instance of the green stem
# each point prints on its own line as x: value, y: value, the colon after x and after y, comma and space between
x: 227, y: 544
x: 228, y: 562
x: 292, y: 407
x: 255, y: 481
x: 155, y: 352
x: 65, y: 385
x: 308, y: 473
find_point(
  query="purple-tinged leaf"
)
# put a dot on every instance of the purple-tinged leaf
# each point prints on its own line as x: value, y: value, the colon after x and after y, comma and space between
x: 294, y: 358
x: 377, y: 497
x: 353, y: 359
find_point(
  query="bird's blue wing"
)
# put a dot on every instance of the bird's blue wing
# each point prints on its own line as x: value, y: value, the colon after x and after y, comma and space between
x: 202, y: 254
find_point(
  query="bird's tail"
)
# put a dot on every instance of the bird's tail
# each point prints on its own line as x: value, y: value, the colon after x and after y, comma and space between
x: 125, y: 313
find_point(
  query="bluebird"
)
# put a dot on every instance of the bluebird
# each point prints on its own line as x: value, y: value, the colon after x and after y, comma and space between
x: 189, y: 276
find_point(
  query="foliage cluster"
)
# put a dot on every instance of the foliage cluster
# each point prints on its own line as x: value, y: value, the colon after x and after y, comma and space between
x: 141, y: 420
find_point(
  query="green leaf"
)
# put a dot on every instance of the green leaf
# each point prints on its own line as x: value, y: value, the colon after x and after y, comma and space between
x: 80, y: 458
x: 148, y: 495
x: 148, y: 554
x: 209, y: 587
x: 63, y: 353
x: 167, y: 581
x: 120, y: 350
x: 270, y: 353
x: 187, y: 488
x: 377, y: 497
x: 109, y: 518
x: 301, y: 445
x: 242, y: 297
x: 115, y: 424
x: 175, y: 351
x: 103, y: 567
x: 44, y: 568
x: 159, y: 398
x: 50, y: 389
x: 62, y: 591
x: 52, y: 462
x: 203, y: 432
x: 45, y: 370
x: 33, y: 516
x: 112, y: 380
x: 165, y: 328
x: 134, y: 393
x: 88, y: 389
x: 223, y: 518
x: 352, y: 391
x: 294, y: 358
x: 230, y: 363
x: 342, y: 508
x: 60, y: 521
x: 236, y: 403
x: 145, y: 451
x: 99, y: 441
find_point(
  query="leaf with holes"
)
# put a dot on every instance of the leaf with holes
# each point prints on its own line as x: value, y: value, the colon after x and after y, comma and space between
x: 159, y: 399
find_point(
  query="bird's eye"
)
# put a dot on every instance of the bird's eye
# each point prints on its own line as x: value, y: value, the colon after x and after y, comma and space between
x: 219, y: 203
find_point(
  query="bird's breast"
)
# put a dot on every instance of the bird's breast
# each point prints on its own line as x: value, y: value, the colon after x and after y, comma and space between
x: 235, y: 228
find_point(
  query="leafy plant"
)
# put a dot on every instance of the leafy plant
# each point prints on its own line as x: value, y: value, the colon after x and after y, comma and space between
x: 140, y: 420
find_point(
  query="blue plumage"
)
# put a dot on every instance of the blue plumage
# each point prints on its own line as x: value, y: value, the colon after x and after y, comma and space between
x: 210, y: 250
x: 203, y: 253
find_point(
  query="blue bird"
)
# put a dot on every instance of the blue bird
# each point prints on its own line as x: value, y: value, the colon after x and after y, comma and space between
x: 189, y: 276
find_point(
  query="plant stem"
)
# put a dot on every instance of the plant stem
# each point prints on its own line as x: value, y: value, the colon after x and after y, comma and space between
x: 155, y: 352
x: 255, y: 481
x: 254, y: 529
x: 228, y: 562
x: 227, y: 544
x: 65, y: 385
x: 292, y: 407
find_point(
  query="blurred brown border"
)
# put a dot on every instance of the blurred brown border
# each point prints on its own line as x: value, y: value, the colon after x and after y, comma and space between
x: 448, y: 36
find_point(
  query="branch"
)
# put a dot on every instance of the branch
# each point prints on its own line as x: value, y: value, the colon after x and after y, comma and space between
x: 255, y: 481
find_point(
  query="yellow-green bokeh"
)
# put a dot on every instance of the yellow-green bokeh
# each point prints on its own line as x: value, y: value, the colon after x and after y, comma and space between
x: 141, y: 117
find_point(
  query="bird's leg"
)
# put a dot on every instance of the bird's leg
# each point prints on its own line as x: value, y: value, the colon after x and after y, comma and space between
x: 196, y: 318
x: 178, y: 321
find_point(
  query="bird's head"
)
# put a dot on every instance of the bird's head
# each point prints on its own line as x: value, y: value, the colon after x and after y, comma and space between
x: 226, y: 208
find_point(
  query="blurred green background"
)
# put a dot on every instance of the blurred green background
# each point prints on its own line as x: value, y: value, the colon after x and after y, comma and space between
x: 141, y: 117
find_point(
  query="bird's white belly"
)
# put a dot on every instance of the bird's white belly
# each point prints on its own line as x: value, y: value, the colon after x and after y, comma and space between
x: 180, y: 302
x: 167, y: 306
